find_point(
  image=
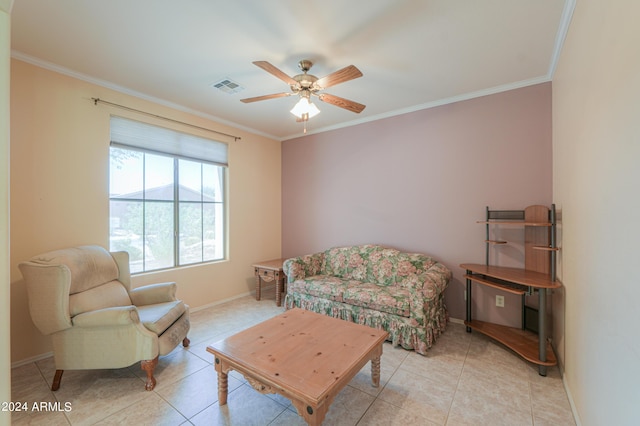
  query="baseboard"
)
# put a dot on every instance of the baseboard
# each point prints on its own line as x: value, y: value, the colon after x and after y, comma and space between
x: 218, y: 302
x: 31, y: 359
x: 576, y: 417
x: 456, y: 320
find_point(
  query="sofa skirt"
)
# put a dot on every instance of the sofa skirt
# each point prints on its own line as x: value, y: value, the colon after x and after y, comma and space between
x: 403, y: 331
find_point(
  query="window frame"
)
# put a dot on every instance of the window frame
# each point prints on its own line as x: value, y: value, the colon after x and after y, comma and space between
x: 221, y: 170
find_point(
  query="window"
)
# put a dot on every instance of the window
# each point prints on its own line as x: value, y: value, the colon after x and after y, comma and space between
x: 166, y: 208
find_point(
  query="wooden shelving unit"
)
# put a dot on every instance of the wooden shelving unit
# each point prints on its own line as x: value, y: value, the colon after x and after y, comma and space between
x: 538, y: 275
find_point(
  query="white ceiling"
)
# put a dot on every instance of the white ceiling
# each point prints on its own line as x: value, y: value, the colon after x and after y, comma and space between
x: 414, y: 54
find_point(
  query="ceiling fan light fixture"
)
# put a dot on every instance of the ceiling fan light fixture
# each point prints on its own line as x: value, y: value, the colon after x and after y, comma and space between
x: 304, y: 106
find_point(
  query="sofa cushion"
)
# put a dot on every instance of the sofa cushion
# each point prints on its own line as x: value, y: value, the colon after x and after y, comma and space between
x: 107, y: 295
x: 375, y: 264
x: 366, y: 263
x: 325, y: 286
x: 390, y: 299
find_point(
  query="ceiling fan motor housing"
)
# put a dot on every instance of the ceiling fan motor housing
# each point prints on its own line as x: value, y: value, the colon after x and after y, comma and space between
x: 305, y: 81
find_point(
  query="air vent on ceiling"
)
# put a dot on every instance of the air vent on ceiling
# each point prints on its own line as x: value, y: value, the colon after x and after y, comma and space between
x: 228, y: 86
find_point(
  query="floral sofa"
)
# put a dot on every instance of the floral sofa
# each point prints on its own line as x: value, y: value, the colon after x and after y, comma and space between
x: 402, y: 293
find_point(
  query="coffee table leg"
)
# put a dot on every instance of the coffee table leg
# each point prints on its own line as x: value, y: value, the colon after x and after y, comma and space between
x: 223, y: 387
x: 312, y: 415
x: 375, y: 371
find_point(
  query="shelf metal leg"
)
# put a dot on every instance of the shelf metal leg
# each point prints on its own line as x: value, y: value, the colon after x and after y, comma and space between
x: 468, y: 301
x: 523, y: 311
x: 542, y: 330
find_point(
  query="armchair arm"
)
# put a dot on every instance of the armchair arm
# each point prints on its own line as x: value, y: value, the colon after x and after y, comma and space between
x: 154, y: 293
x: 120, y: 315
x: 303, y: 266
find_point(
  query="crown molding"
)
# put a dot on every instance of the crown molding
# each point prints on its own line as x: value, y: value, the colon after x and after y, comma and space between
x: 563, y: 29
x: 428, y: 105
x: 127, y: 91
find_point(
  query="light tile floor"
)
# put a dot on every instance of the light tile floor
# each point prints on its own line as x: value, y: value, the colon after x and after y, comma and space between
x: 466, y: 379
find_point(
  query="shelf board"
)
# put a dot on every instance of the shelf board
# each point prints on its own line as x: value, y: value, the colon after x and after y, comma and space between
x: 508, y: 287
x: 495, y: 241
x: 515, y: 275
x: 513, y: 222
x: 522, y: 342
x: 545, y: 248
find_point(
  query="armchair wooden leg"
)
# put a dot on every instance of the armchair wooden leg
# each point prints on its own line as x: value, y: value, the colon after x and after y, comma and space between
x: 186, y: 342
x: 56, y: 380
x: 149, y: 366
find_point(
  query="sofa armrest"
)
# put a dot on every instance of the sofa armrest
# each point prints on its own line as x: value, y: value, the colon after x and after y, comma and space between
x: 431, y: 282
x: 116, y: 316
x: 437, y: 278
x: 426, y: 288
x: 303, y: 266
x: 154, y: 293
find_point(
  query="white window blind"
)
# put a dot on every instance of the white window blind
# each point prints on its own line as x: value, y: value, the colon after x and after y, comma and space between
x: 144, y: 136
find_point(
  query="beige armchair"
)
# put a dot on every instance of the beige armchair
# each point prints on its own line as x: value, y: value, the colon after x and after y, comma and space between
x: 82, y: 297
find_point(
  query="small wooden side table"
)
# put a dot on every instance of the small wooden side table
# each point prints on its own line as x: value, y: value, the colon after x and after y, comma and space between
x: 268, y: 271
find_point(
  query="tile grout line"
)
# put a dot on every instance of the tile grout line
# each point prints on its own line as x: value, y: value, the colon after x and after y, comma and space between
x: 377, y: 396
x: 453, y: 398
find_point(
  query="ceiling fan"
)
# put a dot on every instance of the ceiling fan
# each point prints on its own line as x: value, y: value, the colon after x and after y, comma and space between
x: 307, y: 85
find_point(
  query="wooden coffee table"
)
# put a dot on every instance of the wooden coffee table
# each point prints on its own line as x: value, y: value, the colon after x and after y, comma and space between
x: 304, y: 356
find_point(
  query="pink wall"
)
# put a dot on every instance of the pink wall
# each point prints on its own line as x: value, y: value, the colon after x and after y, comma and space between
x: 420, y: 181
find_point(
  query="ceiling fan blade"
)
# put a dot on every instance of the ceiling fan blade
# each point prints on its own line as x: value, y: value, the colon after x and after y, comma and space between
x: 340, y: 76
x: 341, y: 102
x: 276, y: 72
x: 265, y: 97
